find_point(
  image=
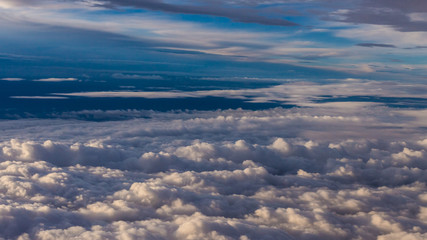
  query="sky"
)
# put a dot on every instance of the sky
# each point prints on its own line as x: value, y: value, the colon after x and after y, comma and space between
x: 221, y: 119
x: 286, y: 38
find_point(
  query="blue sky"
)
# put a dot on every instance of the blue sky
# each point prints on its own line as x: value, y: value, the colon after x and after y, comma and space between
x: 316, y: 39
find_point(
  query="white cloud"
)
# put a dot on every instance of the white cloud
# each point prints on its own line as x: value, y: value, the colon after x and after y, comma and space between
x: 233, y: 174
x: 383, y: 34
x: 241, y: 45
x: 305, y: 94
x: 169, y: 33
x: 418, y: 17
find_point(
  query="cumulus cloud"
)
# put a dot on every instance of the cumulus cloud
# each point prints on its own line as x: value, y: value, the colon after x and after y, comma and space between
x: 232, y: 174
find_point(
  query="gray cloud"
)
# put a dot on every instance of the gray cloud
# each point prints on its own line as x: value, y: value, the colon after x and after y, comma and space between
x: 12, y: 79
x: 248, y: 15
x: 391, y: 13
x: 407, y: 6
x: 236, y: 11
x: 375, y: 45
x: 136, y: 76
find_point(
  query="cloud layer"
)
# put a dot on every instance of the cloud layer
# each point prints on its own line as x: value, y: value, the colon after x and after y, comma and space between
x: 300, y: 93
x: 316, y: 38
x: 235, y: 174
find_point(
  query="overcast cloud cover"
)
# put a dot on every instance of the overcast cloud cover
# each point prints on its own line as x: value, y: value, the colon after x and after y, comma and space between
x: 222, y: 119
x: 324, y: 172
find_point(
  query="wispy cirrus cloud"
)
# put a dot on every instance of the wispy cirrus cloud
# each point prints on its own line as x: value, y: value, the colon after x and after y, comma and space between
x: 235, y: 11
x: 381, y: 34
x: 158, y: 27
x: 164, y: 35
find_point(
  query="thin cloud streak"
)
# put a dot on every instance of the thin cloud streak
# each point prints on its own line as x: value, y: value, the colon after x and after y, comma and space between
x: 239, y: 14
x: 56, y: 80
x: 295, y: 92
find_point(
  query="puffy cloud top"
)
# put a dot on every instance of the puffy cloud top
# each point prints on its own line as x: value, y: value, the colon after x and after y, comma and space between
x: 188, y: 176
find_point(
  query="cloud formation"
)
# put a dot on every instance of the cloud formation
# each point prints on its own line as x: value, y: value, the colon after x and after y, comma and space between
x: 347, y: 162
x: 375, y: 45
x: 397, y: 14
x: 215, y: 8
x: 12, y: 79
x: 159, y: 35
x: 56, y: 80
x: 233, y: 174
x: 292, y: 92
